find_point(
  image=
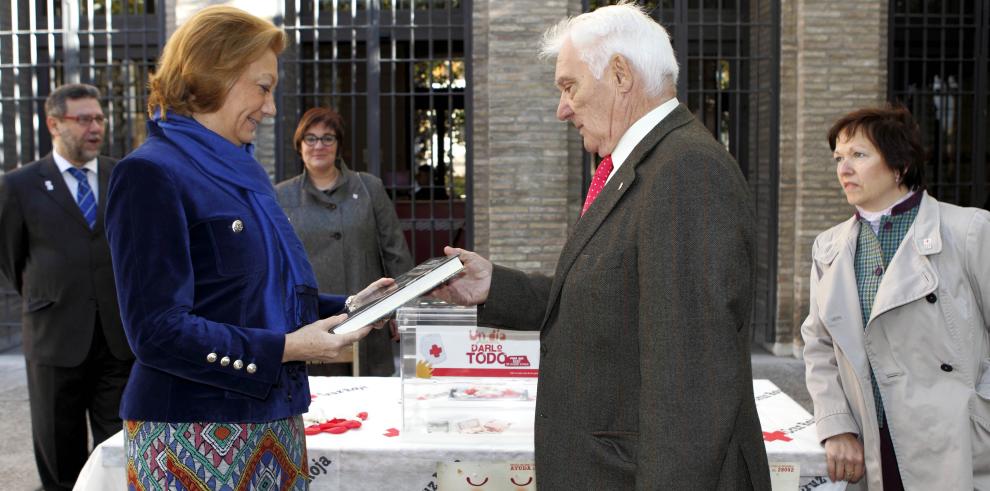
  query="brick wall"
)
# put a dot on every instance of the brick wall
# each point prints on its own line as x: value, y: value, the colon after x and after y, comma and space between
x: 833, y: 60
x: 787, y: 191
x: 527, y: 165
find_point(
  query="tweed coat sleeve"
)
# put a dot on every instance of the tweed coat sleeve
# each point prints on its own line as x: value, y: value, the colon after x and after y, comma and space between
x: 695, y: 254
x: 13, y: 240
x: 516, y: 300
x: 832, y: 413
x: 394, y: 251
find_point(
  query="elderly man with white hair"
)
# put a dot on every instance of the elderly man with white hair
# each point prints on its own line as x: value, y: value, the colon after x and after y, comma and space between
x: 645, y: 378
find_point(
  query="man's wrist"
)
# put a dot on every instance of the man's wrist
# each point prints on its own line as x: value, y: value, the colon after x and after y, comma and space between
x: 349, y: 304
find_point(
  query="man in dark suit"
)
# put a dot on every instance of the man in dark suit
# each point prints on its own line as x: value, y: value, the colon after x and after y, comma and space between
x: 645, y: 379
x: 54, y: 251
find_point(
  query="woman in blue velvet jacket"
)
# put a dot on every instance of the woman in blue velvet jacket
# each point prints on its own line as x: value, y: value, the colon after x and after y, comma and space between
x: 218, y: 300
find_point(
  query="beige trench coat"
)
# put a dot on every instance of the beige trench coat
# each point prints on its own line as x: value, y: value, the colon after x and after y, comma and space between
x: 926, y: 340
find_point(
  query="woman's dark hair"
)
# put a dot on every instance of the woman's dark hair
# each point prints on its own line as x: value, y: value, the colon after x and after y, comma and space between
x: 894, y: 133
x: 316, y: 116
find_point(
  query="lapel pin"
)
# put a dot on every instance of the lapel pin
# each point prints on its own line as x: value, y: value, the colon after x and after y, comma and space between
x: 49, y: 186
x: 927, y: 243
x: 620, y: 186
x: 354, y: 195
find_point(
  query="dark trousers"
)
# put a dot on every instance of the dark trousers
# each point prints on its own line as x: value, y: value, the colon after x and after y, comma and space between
x: 60, y: 399
x: 888, y: 461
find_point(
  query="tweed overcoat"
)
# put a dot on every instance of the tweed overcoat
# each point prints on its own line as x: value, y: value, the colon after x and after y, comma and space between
x: 926, y: 341
x: 645, y: 378
x: 343, y: 231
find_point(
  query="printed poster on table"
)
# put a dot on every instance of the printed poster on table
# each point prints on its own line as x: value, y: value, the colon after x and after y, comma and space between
x: 444, y: 351
x: 784, y: 475
x: 486, y: 476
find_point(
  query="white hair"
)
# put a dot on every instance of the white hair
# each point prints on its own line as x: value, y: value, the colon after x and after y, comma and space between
x: 624, y: 29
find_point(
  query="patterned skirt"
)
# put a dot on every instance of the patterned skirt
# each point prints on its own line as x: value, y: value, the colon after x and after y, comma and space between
x: 216, y: 456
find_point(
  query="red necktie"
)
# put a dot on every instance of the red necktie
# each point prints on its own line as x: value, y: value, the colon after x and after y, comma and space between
x: 598, y: 182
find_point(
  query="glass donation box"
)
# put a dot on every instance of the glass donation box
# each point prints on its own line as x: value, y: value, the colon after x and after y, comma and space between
x: 461, y: 382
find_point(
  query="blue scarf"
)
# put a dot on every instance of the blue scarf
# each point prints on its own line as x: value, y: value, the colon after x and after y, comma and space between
x: 289, y: 279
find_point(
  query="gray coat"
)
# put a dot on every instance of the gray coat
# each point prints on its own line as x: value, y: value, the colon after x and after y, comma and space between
x: 645, y: 378
x: 352, y: 237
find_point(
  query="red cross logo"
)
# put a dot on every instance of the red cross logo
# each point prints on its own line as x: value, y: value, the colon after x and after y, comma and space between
x: 435, y: 351
x: 777, y: 435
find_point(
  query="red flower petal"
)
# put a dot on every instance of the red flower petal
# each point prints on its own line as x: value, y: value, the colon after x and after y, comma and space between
x: 363, y: 415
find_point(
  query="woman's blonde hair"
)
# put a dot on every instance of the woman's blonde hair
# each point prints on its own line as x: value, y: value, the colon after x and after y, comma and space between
x: 205, y: 57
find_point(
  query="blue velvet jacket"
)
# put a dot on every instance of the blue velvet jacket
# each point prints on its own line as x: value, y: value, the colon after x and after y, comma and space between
x: 188, y: 262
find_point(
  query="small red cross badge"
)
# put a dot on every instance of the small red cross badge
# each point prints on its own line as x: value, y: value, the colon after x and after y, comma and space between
x: 435, y: 351
x: 777, y: 435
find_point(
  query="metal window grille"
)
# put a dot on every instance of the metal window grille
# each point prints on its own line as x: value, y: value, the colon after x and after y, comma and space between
x: 729, y: 56
x: 398, y: 72
x: 111, y: 44
x: 937, y: 65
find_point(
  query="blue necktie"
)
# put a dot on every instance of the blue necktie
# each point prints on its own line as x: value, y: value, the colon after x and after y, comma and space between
x: 84, y: 195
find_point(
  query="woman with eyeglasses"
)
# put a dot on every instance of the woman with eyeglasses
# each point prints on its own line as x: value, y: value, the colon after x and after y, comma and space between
x: 348, y: 226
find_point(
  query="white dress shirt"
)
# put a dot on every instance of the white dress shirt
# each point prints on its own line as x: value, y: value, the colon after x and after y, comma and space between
x: 638, y: 131
x: 71, y: 182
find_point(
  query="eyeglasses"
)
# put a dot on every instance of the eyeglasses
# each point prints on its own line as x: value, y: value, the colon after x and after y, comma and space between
x: 327, y: 140
x: 86, y: 120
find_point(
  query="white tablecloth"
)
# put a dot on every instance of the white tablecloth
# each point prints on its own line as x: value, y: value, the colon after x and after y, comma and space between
x: 366, y: 458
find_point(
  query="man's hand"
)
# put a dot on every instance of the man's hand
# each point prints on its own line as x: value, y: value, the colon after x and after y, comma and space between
x: 844, y: 456
x: 314, y: 343
x: 470, y: 286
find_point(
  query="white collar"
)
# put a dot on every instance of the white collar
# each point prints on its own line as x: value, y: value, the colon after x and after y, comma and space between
x: 64, y: 164
x: 874, y: 216
x: 639, y: 130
